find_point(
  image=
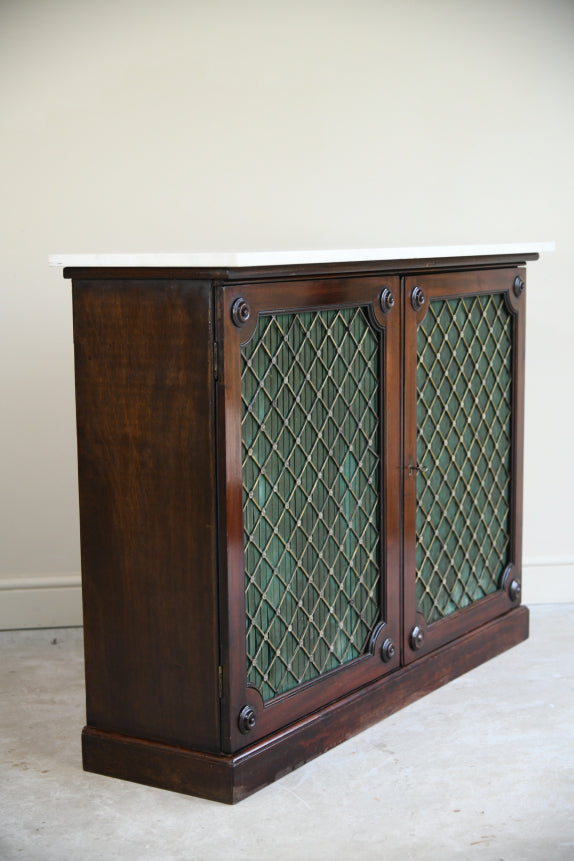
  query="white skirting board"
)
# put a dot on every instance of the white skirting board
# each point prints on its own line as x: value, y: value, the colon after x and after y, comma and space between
x: 548, y: 581
x: 56, y: 601
x: 53, y: 601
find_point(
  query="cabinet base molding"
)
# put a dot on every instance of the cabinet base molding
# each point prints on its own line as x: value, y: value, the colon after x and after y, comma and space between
x: 230, y: 778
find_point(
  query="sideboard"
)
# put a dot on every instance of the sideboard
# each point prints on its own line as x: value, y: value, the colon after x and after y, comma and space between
x: 300, y: 486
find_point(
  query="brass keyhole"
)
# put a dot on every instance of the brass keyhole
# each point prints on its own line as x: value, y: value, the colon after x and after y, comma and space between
x: 418, y: 468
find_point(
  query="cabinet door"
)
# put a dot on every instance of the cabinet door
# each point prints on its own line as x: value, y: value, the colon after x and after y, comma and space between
x: 463, y: 418
x: 309, y: 469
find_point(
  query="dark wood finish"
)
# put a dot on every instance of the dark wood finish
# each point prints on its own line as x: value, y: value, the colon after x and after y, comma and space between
x: 293, y: 271
x: 160, y: 478
x: 230, y: 778
x: 439, y: 286
x: 289, y: 296
x: 147, y: 508
x: 165, y: 766
x: 518, y: 303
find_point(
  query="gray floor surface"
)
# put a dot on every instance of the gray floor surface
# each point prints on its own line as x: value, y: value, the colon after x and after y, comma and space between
x: 481, y: 769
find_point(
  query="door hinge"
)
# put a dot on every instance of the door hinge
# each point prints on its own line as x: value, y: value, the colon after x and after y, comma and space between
x: 215, y: 360
x: 220, y: 682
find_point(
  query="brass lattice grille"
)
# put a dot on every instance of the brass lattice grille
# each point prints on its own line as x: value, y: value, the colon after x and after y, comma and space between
x: 311, y: 487
x: 464, y: 417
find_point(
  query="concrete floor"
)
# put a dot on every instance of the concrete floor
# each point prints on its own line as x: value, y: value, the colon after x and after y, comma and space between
x: 481, y: 769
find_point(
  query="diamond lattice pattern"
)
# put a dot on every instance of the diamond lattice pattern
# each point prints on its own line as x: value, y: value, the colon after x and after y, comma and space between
x: 464, y: 412
x: 311, y: 487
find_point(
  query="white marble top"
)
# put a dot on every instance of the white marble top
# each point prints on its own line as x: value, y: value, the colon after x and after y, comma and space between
x: 228, y: 259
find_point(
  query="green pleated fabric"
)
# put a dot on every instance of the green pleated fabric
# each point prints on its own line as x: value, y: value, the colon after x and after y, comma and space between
x: 464, y: 435
x: 311, y: 494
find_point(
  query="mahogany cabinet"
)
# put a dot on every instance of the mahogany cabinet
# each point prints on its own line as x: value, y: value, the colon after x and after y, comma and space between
x: 300, y: 501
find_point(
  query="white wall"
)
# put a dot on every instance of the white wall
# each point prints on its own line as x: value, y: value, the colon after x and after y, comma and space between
x: 252, y: 125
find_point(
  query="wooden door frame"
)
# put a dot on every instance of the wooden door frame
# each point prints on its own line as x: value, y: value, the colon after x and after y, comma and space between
x: 287, y: 297
x: 437, y: 286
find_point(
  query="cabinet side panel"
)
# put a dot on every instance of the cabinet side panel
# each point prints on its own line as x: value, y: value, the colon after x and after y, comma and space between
x: 147, y: 508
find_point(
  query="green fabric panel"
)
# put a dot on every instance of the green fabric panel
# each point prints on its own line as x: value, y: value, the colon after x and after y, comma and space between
x: 311, y: 494
x: 464, y: 435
